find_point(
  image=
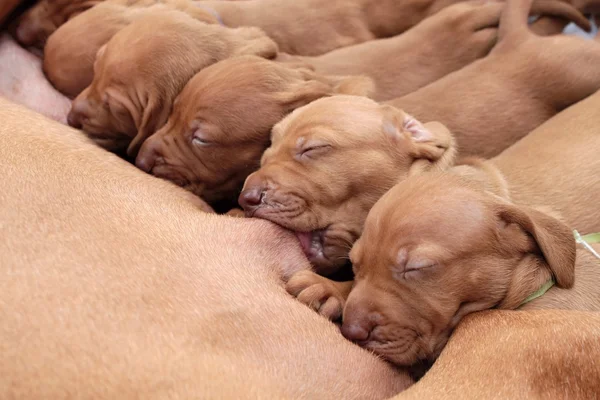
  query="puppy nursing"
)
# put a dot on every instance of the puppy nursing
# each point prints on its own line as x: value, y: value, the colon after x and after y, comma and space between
x: 132, y: 92
x: 486, y: 235
x: 275, y: 104
x: 221, y: 122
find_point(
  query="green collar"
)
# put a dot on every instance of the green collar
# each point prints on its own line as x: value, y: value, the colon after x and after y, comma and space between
x: 540, y: 292
x: 583, y: 240
x: 586, y: 240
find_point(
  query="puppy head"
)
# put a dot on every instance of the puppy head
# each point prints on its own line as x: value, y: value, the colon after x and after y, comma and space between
x: 328, y: 164
x: 221, y: 123
x: 71, y: 51
x: 436, y: 248
x: 40, y: 21
x: 144, y: 67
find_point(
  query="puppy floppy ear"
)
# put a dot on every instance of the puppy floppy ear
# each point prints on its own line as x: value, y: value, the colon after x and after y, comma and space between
x: 431, y: 145
x: 253, y: 41
x: 154, y: 116
x: 548, y: 248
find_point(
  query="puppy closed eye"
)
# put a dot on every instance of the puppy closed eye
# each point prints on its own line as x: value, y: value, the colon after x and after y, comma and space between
x: 199, y: 140
x: 413, y: 269
x: 314, y: 150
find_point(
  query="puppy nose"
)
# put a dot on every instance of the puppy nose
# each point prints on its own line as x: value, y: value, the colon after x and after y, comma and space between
x: 356, y: 331
x: 25, y: 34
x: 77, y: 114
x: 251, y: 198
x: 147, y: 156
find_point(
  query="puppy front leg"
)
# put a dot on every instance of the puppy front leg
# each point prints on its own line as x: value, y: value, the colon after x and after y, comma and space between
x: 323, y: 295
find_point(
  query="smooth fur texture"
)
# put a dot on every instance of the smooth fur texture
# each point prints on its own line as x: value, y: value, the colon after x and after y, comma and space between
x: 333, y: 204
x: 140, y: 295
x: 483, y: 235
x: 443, y: 43
x: 221, y: 122
x: 71, y: 51
x: 144, y: 67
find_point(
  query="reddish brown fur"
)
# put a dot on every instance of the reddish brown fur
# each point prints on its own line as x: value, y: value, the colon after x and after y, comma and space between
x: 36, y: 25
x: 443, y: 43
x: 366, y: 148
x: 139, y: 295
x: 6, y: 8
x: 517, y: 91
x: 314, y: 27
x: 140, y: 71
x: 437, y: 247
x: 514, y: 82
x: 517, y: 355
x: 230, y: 108
x: 71, y: 51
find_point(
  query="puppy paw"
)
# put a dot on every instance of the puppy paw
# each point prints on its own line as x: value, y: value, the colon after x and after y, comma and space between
x: 236, y: 213
x: 323, y: 295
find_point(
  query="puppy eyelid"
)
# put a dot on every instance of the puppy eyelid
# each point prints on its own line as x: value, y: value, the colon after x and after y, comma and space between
x: 198, y: 140
x: 313, y: 149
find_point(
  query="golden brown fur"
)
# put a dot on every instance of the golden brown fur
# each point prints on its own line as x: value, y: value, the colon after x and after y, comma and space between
x: 71, y: 51
x: 314, y: 27
x: 222, y: 120
x: 512, y: 81
x: 6, y: 8
x: 517, y: 355
x: 439, y: 246
x: 35, y: 25
x: 332, y: 206
x: 328, y: 164
x: 445, y: 42
x: 139, y: 295
x: 142, y: 69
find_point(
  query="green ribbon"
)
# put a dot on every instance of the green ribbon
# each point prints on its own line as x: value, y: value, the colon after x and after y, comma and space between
x: 540, y: 292
x: 584, y: 240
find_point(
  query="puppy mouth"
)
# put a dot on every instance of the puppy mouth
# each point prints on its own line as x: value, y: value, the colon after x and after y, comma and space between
x: 164, y: 171
x: 312, y: 244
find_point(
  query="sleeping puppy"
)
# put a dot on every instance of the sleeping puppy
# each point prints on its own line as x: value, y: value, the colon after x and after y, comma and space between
x: 437, y: 248
x: 513, y: 81
x: 35, y: 25
x: 143, y: 68
x: 445, y: 42
x: 485, y: 234
x: 330, y: 209
x: 221, y: 122
x: 70, y: 52
x: 314, y: 27
x: 330, y: 161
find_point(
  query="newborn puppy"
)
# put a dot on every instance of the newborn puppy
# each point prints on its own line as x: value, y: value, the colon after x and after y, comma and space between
x: 145, y: 66
x: 314, y: 27
x: 221, y: 122
x: 513, y: 81
x: 328, y: 164
x: 480, y: 235
x: 22, y: 81
x: 445, y: 42
x: 35, y: 25
x: 319, y: 201
x: 437, y: 248
x: 71, y: 50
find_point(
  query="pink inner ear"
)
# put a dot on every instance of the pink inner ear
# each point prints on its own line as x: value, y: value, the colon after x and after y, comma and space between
x: 418, y: 132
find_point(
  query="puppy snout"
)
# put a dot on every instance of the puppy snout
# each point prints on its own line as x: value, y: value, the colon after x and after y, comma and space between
x: 251, y: 199
x: 79, y: 111
x: 25, y: 34
x: 147, y: 156
x: 356, y: 331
